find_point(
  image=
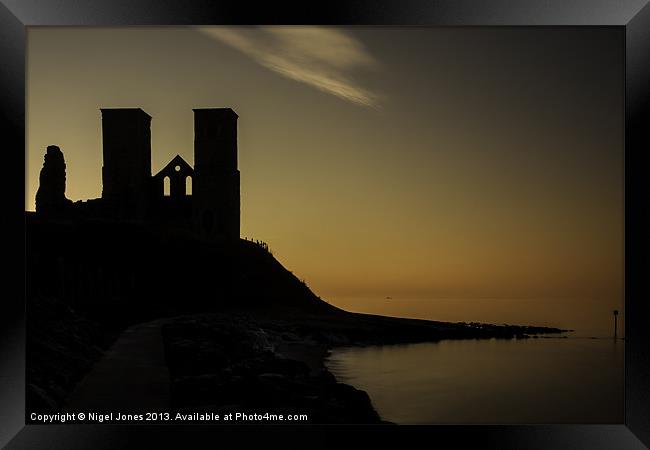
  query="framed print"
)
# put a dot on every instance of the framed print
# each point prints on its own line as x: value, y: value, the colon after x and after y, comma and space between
x: 416, y: 221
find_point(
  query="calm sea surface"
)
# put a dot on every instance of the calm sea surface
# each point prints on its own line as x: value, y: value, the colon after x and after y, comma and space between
x: 547, y: 380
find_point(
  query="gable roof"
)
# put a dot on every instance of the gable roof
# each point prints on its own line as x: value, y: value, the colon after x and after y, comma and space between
x: 170, y: 168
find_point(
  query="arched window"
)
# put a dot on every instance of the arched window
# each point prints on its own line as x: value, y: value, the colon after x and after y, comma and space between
x: 188, y: 185
x: 166, y: 187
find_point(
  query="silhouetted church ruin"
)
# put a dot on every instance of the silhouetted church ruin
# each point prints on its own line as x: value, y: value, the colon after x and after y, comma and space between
x: 204, y: 199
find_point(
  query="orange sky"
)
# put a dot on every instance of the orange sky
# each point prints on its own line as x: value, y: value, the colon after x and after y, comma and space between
x: 431, y: 165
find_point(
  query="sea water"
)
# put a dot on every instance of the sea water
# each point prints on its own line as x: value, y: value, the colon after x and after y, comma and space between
x: 544, y: 380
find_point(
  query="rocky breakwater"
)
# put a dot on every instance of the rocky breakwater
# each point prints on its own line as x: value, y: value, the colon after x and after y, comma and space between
x: 226, y: 364
x: 62, y: 347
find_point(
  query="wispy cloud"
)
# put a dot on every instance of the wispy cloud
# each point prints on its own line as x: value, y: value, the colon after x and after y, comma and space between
x: 324, y: 58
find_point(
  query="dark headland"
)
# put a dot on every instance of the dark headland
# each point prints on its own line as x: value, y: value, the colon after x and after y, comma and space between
x: 241, y: 332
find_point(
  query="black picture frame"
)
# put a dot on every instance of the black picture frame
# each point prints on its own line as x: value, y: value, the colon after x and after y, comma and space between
x: 632, y: 15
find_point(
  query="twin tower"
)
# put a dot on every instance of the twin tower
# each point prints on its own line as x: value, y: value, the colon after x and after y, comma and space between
x: 211, y: 209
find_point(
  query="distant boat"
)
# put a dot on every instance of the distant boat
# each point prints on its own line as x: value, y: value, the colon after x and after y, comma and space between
x: 389, y: 298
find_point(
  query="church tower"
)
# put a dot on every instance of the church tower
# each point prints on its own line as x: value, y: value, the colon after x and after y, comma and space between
x: 126, y: 173
x: 215, y: 189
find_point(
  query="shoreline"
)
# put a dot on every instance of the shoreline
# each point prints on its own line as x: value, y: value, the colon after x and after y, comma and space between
x: 314, y: 354
x: 275, y: 359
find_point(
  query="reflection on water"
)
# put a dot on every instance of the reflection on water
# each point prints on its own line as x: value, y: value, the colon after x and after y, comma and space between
x: 489, y: 381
